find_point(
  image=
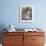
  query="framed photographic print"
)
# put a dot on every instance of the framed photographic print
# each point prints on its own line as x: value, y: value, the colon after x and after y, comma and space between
x: 26, y: 13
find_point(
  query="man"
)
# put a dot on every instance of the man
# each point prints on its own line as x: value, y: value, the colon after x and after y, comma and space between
x: 27, y: 13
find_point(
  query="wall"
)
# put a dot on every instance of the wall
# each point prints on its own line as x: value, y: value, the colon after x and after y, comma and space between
x: 10, y: 13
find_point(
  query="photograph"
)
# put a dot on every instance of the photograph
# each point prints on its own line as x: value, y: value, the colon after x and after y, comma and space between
x: 26, y: 13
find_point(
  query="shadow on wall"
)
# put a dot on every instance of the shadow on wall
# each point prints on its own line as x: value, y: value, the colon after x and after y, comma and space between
x: 2, y: 26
